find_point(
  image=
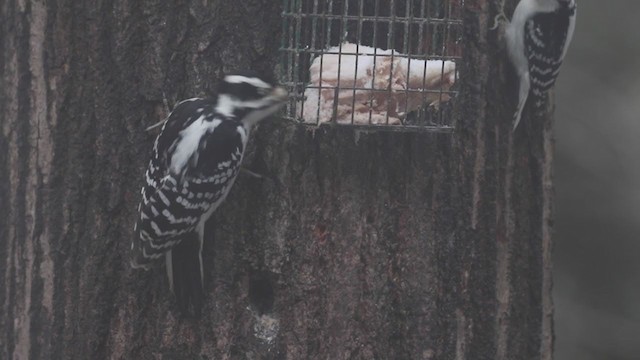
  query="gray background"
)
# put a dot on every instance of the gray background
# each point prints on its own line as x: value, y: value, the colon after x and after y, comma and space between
x: 597, y: 178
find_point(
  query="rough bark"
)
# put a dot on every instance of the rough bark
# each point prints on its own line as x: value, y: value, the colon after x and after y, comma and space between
x: 356, y: 246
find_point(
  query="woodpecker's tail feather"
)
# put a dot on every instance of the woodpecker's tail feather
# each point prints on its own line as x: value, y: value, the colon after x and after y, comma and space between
x: 536, y: 101
x: 184, y: 270
x: 516, y: 118
x: 523, y: 94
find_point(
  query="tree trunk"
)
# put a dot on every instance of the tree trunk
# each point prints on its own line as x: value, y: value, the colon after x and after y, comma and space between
x: 356, y: 245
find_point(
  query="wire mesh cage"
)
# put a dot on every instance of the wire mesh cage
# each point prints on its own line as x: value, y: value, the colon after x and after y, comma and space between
x: 382, y: 64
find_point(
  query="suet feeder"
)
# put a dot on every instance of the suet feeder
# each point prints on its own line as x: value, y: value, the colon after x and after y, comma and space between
x: 384, y: 65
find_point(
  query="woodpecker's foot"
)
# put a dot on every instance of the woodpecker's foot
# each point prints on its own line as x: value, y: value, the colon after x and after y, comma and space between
x: 167, y: 111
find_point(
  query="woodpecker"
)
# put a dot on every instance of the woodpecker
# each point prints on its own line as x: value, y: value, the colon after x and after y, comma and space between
x: 194, y: 163
x: 538, y: 37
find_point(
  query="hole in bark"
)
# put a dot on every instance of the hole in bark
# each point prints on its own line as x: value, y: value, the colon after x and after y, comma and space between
x: 261, y: 291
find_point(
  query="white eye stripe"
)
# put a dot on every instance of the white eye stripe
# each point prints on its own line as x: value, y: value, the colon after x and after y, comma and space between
x: 238, y: 79
x: 228, y: 104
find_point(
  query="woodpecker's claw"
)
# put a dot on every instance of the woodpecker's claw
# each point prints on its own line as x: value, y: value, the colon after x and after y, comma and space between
x: 154, y: 125
x: 252, y: 174
x: 499, y: 18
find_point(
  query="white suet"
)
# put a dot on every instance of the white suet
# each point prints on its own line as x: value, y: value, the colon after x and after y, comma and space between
x: 383, y: 85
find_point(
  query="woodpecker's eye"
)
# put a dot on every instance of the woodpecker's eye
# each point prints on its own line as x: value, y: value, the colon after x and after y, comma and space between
x: 263, y: 91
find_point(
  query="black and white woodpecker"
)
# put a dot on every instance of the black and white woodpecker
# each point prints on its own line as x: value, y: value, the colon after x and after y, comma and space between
x: 538, y: 37
x: 195, y: 161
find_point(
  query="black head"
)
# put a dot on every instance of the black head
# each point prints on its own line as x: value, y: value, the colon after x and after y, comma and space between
x: 249, y: 97
x: 245, y: 86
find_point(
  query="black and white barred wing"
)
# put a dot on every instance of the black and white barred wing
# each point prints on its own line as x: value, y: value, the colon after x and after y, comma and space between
x: 187, y: 179
x: 183, y: 115
x: 547, y: 36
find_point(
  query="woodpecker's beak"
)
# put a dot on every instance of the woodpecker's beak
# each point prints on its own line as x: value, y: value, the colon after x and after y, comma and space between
x: 279, y: 94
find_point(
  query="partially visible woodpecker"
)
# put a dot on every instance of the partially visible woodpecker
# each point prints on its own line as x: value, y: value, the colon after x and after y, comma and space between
x: 537, y: 40
x: 195, y: 160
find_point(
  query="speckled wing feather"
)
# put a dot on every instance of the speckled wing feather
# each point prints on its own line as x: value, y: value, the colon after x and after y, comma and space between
x: 546, y: 38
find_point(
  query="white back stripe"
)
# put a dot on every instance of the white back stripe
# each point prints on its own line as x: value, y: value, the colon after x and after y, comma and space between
x: 189, y: 142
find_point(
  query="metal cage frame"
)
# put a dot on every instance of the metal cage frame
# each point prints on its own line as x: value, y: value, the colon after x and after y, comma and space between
x: 429, y: 31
